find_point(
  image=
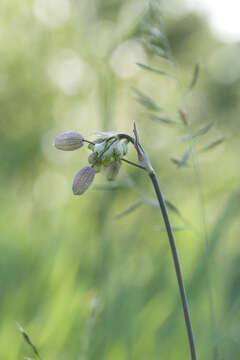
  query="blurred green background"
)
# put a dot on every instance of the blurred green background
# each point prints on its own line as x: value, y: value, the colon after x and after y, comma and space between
x: 83, y: 284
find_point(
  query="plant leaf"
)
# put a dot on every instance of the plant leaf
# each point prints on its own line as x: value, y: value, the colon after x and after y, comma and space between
x: 183, y: 117
x: 200, y: 132
x: 154, y: 202
x: 157, y: 71
x: 28, y: 340
x: 129, y: 210
x: 156, y: 35
x: 146, y: 100
x: 185, y: 158
x: 164, y: 119
x: 172, y: 207
x: 195, y: 75
x: 213, y: 144
x: 159, y: 51
x: 178, y: 161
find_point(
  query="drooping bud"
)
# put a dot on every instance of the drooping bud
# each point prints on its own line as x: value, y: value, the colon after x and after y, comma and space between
x: 118, y: 150
x: 125, y: 147
x: 69, y: 141
x: 98, y: 148
x: 113, y: 170
x: 82, y: 180
x: 98, y: 167
x: 92, y: 157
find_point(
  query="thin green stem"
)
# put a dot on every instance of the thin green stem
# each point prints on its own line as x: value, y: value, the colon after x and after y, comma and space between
x: 134, y: 164
x: 89, y: 142
x: 177, y: 265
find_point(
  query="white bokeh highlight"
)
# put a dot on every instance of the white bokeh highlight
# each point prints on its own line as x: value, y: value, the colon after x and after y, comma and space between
x: 52, y: 13
x: 124, y: 58
x: 68, y: 71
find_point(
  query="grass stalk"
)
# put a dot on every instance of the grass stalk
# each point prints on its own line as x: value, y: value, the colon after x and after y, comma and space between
x: 177, y: 264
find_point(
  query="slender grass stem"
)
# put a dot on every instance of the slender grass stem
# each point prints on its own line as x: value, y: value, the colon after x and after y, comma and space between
x: 177, y: 265
x: 142, y: 156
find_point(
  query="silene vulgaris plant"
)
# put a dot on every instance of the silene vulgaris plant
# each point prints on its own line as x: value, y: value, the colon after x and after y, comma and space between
x: 108, y: 151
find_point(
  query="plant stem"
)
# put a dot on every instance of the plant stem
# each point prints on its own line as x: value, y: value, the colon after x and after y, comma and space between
x: 133, y: 163
x: 177, y: 265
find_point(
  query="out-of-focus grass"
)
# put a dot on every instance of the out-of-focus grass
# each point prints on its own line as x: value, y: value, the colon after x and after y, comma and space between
x: 72, y: 68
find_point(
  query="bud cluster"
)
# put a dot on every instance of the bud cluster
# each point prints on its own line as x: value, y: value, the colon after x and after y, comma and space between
x: 107, y: 152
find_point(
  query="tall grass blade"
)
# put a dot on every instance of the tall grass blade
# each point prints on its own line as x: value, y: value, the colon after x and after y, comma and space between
x: 163, y: 119
x: 28, y: 340
x: 154, y: 70
x: 195, y: 76
x: 213, y: 144
x: 146, y: 100
x: 201, y: 132
x: 185, y: 158
x: 129, y: 210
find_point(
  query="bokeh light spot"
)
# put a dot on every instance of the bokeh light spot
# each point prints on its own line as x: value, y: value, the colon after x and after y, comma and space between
x: 124, y: 58
x: 52, y: 13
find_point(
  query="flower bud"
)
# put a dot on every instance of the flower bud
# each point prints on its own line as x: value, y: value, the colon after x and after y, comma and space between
x: 98, y: 167
x: 98, y: 148
x: 125, y: 147
x: 113, y: 170
x: 82, y: 180
x: 92, y: 157
x: 118, y: 150
x: 69, y: 141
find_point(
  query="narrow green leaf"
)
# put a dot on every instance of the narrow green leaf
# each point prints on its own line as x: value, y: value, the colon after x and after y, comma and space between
x: 146, y: 100
x: 185, y: 158
x: 153, y: 202
x: 156, y: 36
x: 129, y: 210
x: 159, y: 51
x: 204, y: 130
x: 108, y: 187
x: 177, y: 162
x: 195, y: 76
x: 200, y: 132
x: 172, y: 207
x: 28, y: 340
x: 157, y: 71
x: 156, y: 33
x: 183, y: 117
x: 163, y: 119
x: 213, y: 144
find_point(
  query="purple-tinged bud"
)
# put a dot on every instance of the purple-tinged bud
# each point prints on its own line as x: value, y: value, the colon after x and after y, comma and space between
x: 69, y: 141
x: 82, y: 180
x: 113, y: 170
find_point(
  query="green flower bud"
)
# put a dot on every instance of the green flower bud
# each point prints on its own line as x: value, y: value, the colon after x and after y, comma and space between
x: 90, y: 146
x: 108, y: 155
x: 98, y: 167
x: 125, y: 147
x: 92, y: 157
x: 106, y: 161
x: 82, y: 180
x: 113, y: 170
x: 118, y: 150
x: 69, y: 141
x: 98, y: 148
x: 100, y: 140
